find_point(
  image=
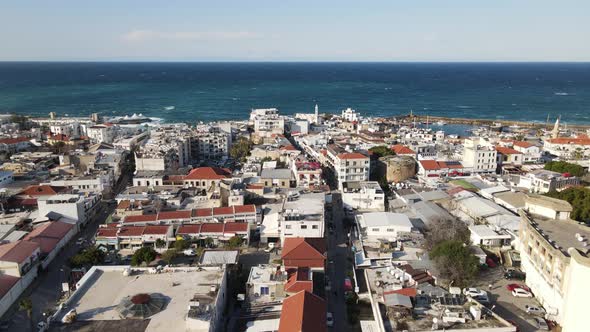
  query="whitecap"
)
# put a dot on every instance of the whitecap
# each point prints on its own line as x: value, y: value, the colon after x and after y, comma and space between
x: 464, y: 106
x: 169, y: 108
x: 561, y: 94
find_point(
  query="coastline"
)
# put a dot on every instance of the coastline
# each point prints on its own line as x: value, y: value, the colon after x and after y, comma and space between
x: 490, y: 122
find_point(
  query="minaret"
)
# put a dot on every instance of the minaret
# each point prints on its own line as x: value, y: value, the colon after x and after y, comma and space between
x: 555, y: 131
x: 317, y: 114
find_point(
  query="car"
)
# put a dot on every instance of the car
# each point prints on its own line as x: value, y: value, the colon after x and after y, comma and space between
x: 519, y: 292
x: 329, y: 319
x: 514, y: 274
x: 80, y: 241
x: 482, y: 298
x: 189, y: 252
x: 512, y: 287
x: 473, y: 292
x: 541, y: 324
x: 534, y: 310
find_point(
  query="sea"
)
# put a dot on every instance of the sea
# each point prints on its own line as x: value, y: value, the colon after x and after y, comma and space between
x: 198, y: 91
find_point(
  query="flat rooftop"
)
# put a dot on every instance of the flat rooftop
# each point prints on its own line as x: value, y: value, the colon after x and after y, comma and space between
x: 563, y: 232
x: 106, y: 289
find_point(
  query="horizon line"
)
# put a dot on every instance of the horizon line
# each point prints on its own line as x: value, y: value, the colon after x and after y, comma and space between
x: 313, y: 61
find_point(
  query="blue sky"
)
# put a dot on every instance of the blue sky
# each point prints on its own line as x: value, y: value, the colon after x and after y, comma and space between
x: 250, y: 30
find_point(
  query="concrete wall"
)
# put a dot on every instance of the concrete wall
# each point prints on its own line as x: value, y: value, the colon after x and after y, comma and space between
x: 14, y: 293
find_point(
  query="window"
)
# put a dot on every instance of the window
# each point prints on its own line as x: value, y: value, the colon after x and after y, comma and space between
x: 375, y: 229
x: 264, y: 290
x: 303, y: 226
x: 314, y: 226
x: 390, y: 230
x: 288, y: 226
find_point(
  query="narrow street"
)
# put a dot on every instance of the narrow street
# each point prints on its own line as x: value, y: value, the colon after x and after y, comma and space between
x: 337, y: 264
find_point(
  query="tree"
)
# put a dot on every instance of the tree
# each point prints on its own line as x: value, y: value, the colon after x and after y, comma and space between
x: 440, y: 230
x: 160, y: 243
x: 26, y: 305
x: 143, y: 255
x: 209, y: 242
x: 565, y: 167
x: 579, y: 198
x: 241, y: 149
x: 382, y: 151
x: 169, y: 255
x: 234, y: 242
x: 455, y: 262
x: 180, y: 245
x: 88, y: 257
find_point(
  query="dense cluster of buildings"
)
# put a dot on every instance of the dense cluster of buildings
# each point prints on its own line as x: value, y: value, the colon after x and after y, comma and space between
x: 305, y: 181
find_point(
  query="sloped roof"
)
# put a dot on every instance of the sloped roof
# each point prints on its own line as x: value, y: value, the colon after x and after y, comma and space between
x: 141, y: 218
x: 16, y: 140
x: 303, y: 312
x: 235, y: 227
x: 43, y: 190
x: 522, y: 144
x: 429, y: 165
x: 212, y: 228
x: 156, y: 229
x: 6, y: 283
x: 298, y: 280
x: 208, y: 173
x: 18, y: 251
x: 304, y: 248
x: 506, y: 151
x: 189, y: 229
x: 353, y: 155
x: 402, y: 149
x: 173, y: 215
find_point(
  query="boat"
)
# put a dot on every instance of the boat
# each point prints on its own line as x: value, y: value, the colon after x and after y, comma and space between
x: 440, y: 123
x: 169, y: 108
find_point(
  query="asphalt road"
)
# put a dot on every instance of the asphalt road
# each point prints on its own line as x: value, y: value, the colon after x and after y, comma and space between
x: 337, y: 264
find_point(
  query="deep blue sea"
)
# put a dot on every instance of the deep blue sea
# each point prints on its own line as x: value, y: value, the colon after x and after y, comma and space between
x: 210, y: 91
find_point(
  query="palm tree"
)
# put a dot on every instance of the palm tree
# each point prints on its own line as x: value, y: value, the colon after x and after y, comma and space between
x: 160, y: 243
x: 27, y: 306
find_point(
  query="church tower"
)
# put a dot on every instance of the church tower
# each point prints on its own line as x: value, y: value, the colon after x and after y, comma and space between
x: 555, y: 131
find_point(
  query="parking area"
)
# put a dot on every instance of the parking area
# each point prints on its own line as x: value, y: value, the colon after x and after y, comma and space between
x: 505, y: 304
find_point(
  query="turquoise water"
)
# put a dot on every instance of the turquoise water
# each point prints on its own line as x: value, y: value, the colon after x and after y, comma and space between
x: 212, y: 91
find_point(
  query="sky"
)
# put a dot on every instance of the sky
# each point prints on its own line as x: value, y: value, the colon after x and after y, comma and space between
x: 302, y: 30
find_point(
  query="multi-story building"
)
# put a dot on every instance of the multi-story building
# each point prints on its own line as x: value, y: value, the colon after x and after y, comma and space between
x: 543, y: 181
x: 363, y: 195
x: 307, y: 174
x: 554, y: 255
x: 568, y: 147
x: 78, y: 207
x: 350, y: 115
x: 348, y: 166
x: 210, y: 144
x: 101, y: 133
x: 479, y: 155
x: 168, y: 148
x: 267, y: 122
x: 530, y: 152
x: 302, y: 216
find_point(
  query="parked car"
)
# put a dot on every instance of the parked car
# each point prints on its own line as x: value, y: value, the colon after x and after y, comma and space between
x: 534, y: 310
x: 473, y: 292
x: 329, y: 319
x: 189, y: 252
x: 482, y: 298
x: 541, y: 324
x: 514, y: 274
x: 512, y: 287
x: 519, y: 292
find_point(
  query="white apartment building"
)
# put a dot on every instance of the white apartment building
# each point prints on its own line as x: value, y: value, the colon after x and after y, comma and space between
x: 210, y: 144
x: 543, y: 181
x: 302, y: 216
x: 350, y: 115
x: 129, y: 143
x: 267, y: 125
x: 307, y: 174
x: 168, y: 148
x: 348, y: 166
x: 530, y: 152
x: 380, y: 226
x: 96, y: 183
x: 479, y: 155
x: 567, y: 147
x: 101, y: 133
x: 363, y: 195
x: 81, y: 208
x: 554, y: 255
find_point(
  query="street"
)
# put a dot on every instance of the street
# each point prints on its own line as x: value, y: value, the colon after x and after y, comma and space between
x: 337, y: 265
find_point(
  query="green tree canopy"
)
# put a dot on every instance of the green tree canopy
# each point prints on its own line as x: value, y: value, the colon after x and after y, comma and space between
x: 181, y: 244
x: 234, y: 242
x: 169, y: 255
x: 88, y: 257
x: 143, y: 255
x: 565, y: 167
x: 241, y: 149
x: 382, y: 151
x: 579, y: 198
x: 455, y: 262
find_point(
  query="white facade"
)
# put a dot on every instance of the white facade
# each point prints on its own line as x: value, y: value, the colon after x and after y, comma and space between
x: 350, y: 115
x: 363, y: 195
x: 101, y: 133
x: 543, y: 181
x: 76, y: 207
x: 213, y: 144
x: 383, y: 225
x: 348, y: 166
x: 479, y: 156
x: 303, y: 217
x: 101, y: 183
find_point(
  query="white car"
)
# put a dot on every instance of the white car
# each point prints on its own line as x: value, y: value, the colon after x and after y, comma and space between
x: 329, y: 319
x: 532, y: 310
x: 473, y: 292
x: 519, y: 292
x: 189, y: 252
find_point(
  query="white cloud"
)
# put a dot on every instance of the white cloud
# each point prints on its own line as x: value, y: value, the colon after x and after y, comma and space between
x: 139, y: 35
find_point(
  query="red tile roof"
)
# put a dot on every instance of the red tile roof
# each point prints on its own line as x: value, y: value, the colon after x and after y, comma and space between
x: 245, y: 208
x: 505, y: 150
x: 16, y: 140
x: 208, y: 173
x: 175, y: 215
x: 303, y: 312
x: 131, y: 231
x: 189, y: 229
x: 220, y: 211
x: 156, y: 230
x: 206, y: 212
x: 56, y: 229
x: 353, y: 155
x: 411, y: 292
x: 402, y: 149
x: 212, y: 228
x: 522, y: 144
x: 43, y: 190
x: 107, y: 232
x: 288, y: 148
x: 298, y: 280
x: 570, y: 140
x: 235, y: 227
x: 141, y: 218
x: 304, y: 248
x: 17, y: 251
x: 429, y: 165
x: 6, y: 283
x: 60, y: 137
